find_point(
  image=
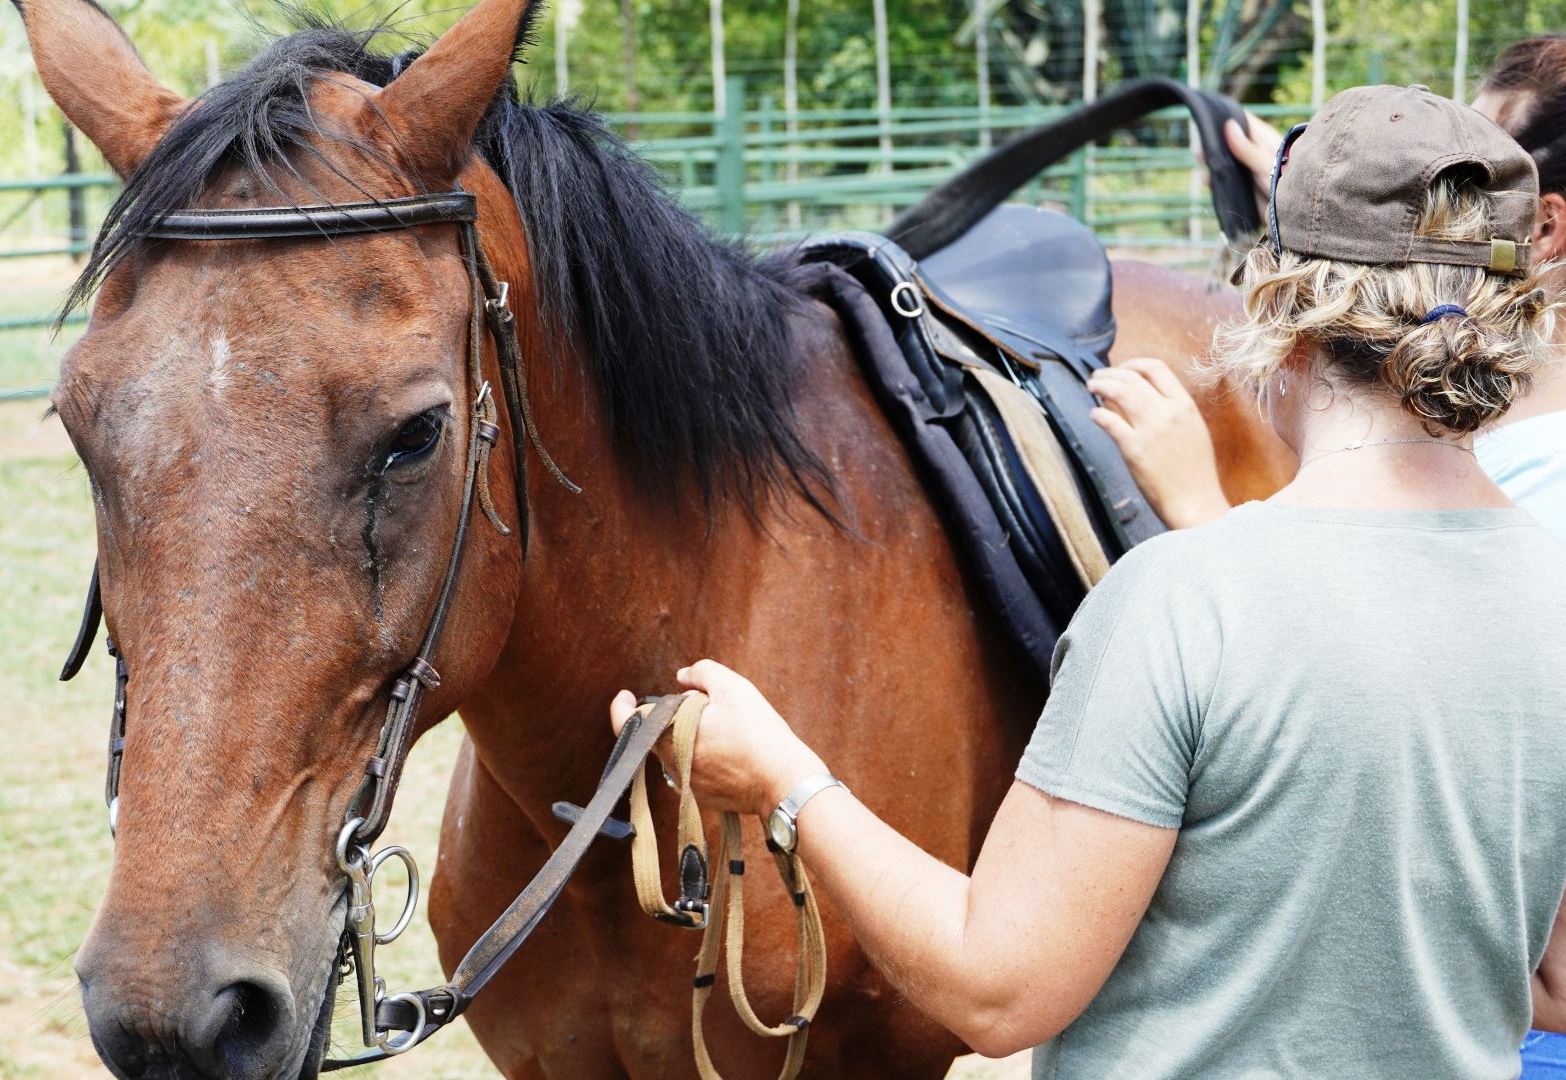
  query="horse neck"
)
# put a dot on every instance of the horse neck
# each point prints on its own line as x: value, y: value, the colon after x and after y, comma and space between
x: 608, y: 593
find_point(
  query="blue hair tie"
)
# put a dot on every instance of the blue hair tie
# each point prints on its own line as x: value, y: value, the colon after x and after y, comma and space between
x: 1442, y: 311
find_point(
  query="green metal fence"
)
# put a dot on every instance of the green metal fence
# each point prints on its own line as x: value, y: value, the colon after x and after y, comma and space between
x: 757, y: 172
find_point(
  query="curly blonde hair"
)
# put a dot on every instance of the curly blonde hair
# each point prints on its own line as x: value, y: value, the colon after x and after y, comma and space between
x: 1455, y: 374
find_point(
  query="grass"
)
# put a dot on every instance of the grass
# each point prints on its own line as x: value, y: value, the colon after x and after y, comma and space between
x: 31, y: 288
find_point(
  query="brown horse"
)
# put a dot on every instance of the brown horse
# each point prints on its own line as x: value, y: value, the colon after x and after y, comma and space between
x: 274, y: 438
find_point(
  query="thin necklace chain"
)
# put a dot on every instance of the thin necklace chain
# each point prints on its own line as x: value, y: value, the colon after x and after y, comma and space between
x: 1361, y: 444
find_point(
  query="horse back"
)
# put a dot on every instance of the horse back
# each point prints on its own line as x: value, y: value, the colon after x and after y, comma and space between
x: 1165, y: 313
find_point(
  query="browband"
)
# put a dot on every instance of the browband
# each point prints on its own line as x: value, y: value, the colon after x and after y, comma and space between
x: 336, y: 219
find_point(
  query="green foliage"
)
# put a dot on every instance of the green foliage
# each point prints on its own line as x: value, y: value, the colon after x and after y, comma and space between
x: 187, y: 43
x: 1414, y: 41
x: 1037, y: 48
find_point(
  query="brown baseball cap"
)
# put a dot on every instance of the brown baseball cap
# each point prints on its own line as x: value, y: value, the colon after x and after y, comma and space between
x: 1351, y: 184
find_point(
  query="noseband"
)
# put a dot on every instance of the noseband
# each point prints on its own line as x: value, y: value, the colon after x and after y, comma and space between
x: 395, y: 1023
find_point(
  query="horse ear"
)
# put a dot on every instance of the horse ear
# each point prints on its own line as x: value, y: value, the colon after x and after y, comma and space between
x: 98, y: 80
x: 434, y: 107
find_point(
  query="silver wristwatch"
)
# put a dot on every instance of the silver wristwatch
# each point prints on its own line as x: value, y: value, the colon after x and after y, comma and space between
x: 781, y: 828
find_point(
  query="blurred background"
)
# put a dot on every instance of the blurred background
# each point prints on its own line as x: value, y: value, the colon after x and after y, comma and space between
x: 776, y: 119
x: 771, y: 120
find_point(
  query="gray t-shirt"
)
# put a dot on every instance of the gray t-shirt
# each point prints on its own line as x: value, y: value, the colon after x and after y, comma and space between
x: 1357, y: 720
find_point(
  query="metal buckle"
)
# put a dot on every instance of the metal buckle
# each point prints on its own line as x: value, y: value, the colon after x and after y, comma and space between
x: 907, y: 290
x: 688, y: 914
x: 499, y: 302
x: 486, y: 430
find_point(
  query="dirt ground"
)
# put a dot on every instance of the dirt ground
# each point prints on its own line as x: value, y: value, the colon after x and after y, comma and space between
x: 52, y: 829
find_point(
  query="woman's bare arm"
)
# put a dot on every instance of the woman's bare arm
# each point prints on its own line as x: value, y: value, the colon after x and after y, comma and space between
x: 1005, y: 958
x: 1549, y: 982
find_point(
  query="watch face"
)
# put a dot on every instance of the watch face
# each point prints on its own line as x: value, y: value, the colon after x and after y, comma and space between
x: 781, y: 829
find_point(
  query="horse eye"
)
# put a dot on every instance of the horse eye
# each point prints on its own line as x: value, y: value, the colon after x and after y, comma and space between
x: 415, y: 439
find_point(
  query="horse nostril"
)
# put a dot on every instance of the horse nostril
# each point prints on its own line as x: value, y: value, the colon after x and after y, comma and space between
x: 244, y: 1030
x: 213, y: 1015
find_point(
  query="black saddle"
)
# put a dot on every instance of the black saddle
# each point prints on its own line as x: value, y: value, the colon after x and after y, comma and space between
x: 921, y: 350
x: 1032, y: 278
x: 968, y: 307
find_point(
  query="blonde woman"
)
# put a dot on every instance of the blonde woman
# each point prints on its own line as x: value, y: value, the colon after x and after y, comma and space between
x: 1161, y: 433
x: 1293, y: 807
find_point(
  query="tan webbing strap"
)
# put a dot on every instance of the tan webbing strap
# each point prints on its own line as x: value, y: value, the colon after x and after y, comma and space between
x: 690, y: 841
x: 1049, y: 470
x: 723, y: 926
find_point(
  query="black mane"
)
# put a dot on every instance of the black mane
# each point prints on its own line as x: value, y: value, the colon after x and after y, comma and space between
x: 688, y: 337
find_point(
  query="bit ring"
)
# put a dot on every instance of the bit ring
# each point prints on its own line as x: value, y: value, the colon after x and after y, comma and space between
x: 412, y: 899
x: 393, y: 1045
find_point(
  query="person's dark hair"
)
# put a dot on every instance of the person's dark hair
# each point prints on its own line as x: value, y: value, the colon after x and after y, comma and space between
x: 1531, y: 76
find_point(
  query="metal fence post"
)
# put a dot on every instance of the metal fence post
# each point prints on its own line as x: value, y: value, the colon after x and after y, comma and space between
x: 765, y: 108
x: 75, y: 197
x: 1081, y: 177
x: 731, y: 158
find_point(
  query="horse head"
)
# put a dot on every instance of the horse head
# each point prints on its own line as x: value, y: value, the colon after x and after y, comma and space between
x: 276, y: 435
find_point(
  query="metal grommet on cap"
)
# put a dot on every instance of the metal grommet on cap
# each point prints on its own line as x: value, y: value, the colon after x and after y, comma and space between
x: 1503, y: 256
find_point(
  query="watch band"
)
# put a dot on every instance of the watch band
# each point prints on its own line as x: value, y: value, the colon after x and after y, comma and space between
x: 808, y: 788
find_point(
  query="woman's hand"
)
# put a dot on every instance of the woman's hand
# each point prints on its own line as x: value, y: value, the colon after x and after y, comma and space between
x: 1163, y: 438
x: 1256, y: 149
x: 747, y: 757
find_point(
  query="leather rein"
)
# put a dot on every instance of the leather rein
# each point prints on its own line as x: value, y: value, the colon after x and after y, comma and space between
x: 394, y: 1023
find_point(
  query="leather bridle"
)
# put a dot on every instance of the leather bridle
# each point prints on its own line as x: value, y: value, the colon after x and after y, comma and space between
x: 395, y: 1023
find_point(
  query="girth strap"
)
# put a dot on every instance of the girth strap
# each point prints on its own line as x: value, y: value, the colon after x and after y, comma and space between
x: 722, y: 918
x: 957, y: 205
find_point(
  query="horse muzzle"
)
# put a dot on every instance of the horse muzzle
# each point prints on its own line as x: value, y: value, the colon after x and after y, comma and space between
x: 222, y: 1017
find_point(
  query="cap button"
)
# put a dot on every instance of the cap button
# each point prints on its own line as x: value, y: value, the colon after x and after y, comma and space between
x: 1419, y: 86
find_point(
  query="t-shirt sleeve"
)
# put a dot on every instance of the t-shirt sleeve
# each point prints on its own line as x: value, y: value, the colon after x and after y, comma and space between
x: 1128, y: 682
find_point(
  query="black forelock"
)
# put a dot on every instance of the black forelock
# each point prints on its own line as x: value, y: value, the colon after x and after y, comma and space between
x: 688, y: 337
